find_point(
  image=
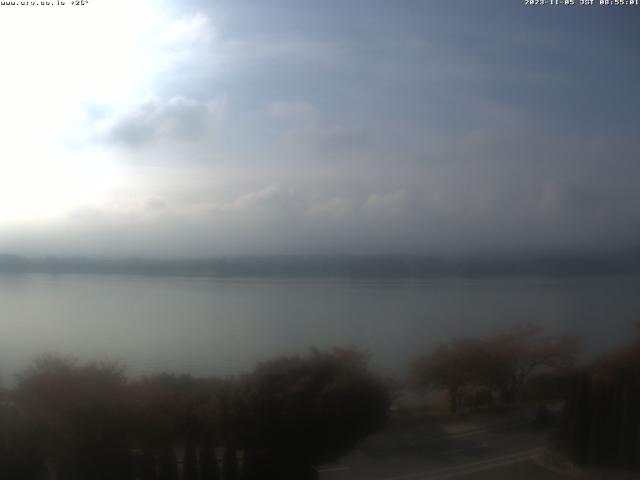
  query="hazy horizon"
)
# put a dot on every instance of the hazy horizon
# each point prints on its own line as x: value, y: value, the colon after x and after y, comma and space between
x: 550, y: 263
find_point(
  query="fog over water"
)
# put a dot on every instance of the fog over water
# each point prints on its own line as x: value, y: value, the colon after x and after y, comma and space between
x: 223, y: 326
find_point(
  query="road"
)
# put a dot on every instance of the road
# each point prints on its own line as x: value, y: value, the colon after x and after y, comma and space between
x: 430, y: 452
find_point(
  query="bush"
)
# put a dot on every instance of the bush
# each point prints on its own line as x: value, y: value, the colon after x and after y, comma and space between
x: 312, y: 409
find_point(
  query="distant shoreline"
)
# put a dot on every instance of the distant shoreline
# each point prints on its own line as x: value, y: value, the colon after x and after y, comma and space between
x: 372, y: 266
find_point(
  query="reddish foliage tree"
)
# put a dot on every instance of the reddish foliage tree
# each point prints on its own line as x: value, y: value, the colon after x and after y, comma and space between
x: 513, y: 357
x: 309, y: 409
x: 503, y: 362
x: 82, y: 415
x: 601, y: 424
x: 450, y: 365
x: 622, y: 362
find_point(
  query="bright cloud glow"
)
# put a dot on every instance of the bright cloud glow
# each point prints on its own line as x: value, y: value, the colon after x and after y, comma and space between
x: 57, y: 60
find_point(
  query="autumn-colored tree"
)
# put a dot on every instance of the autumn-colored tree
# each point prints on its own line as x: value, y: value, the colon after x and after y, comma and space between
x: 176, y: 411
x: 21, y: 457
x: 92, y: 423
x: 623, y: 362
x: 601, y: 422
x: 450, y: 365
x: 513, y: 357
x: 310, y: 409
x: 503, y: 362
x: 81, y: 414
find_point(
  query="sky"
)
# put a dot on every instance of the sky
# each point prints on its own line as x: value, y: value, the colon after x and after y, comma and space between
x: 192, y: 128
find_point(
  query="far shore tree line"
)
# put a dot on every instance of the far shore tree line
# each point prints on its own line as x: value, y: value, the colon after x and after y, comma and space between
x: 67, y: 420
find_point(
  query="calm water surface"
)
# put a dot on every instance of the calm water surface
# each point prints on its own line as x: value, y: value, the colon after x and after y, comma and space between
x: 223, y: 326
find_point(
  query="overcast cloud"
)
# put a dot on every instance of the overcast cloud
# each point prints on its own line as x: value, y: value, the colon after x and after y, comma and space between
x: 335, y: 127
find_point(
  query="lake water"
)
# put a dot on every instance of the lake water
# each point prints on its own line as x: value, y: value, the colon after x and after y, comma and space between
x: 223, y: 326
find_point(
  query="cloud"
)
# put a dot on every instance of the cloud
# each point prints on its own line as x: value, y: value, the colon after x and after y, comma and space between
x: 292, y: 110
x: 197, y: 29
x: 326, y: 139
x: 391, y: 203
x: 282, y: 48
x: 444, y: 136
x: 274, y: 198
x: 337, y: 207
x: 152, y: 120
